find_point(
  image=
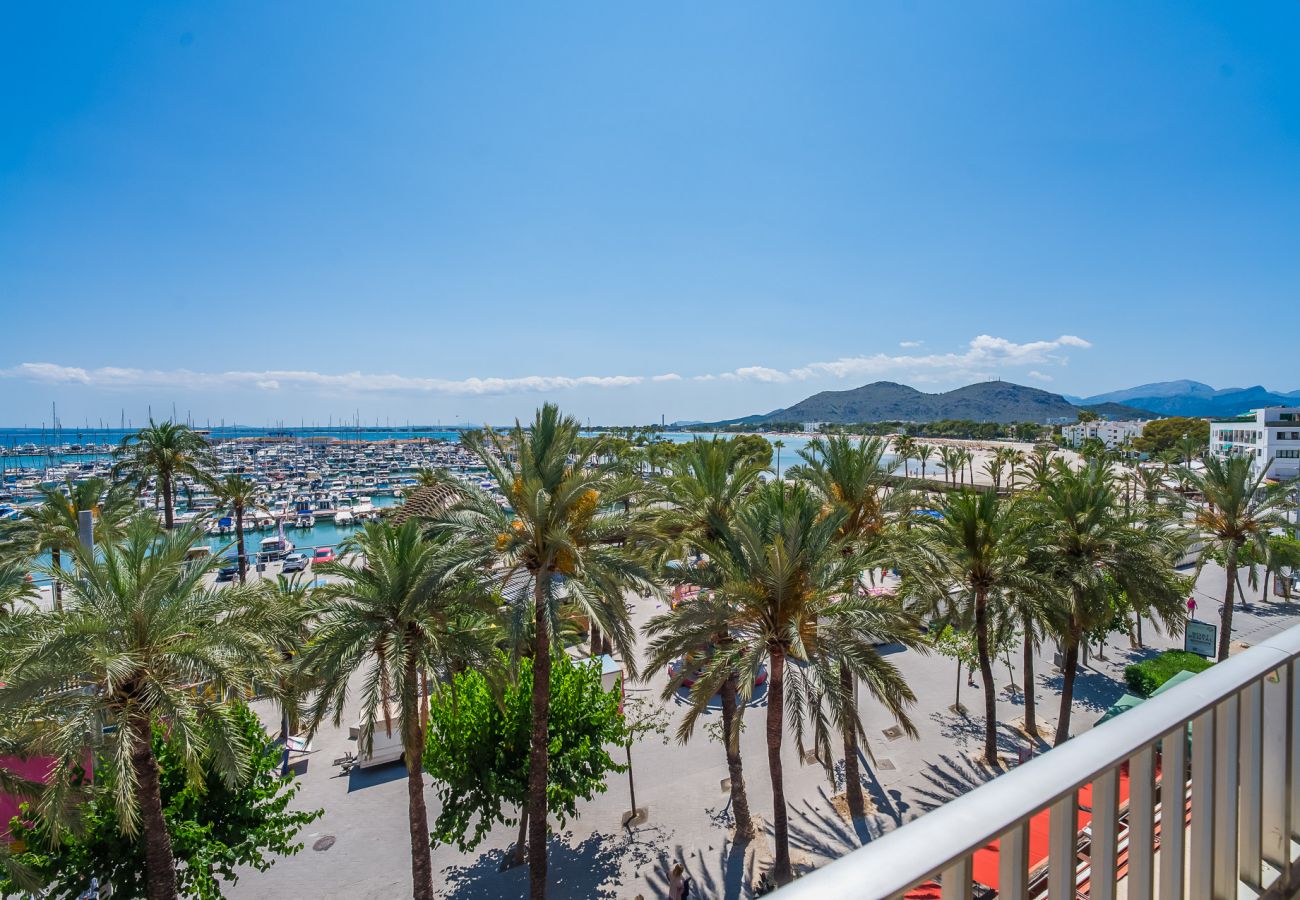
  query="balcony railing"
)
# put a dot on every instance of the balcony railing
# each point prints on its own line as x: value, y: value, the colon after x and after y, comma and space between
x: 1194, y: 794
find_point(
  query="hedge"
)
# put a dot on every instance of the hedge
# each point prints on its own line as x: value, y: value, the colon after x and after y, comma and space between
x: 1145, y: 677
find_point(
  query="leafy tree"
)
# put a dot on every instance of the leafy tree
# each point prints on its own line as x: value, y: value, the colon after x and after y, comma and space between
x: 163, y: 453
x: 1239, y: 508
x: 215, y: 828
x: 406, y: 612
x: 957, y: 645
x: 561, y: 546
x: 1165, y: 434
x: 477, y: 748
x: 138, y: 631
x: 754, y: 448
x: 1086, y: 415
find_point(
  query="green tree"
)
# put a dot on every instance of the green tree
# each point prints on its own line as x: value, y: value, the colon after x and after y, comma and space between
x: 691, y: 508
x: 53, y: 523
x: 1238, y: 508
x: 162, y: 453
x: 1165, y: 434
x: 215, y: 828
x: 782, y: 568
x: 853, y: 476
x: 239, y: 495
x: 964, y: 565
x: 405, y: 613
x: 15, y: 588
x: 139, y: 630
x: 1085, y: 548
x: 477, y: 749
x: 562, y: 545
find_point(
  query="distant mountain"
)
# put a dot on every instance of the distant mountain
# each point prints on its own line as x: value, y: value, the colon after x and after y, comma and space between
x: 1118, y: 411
x: 884, y: 401
x: 1193, y: 398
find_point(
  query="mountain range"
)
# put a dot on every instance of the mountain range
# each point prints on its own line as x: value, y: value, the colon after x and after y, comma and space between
x: 885, y: 401
x: 1193, y: 398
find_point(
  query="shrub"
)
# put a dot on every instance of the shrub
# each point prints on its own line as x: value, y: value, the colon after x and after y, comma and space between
x: 1146, y: 677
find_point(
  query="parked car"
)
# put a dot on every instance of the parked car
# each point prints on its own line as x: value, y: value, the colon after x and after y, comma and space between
x: 323, y: 555
x: 295, y: 562
x: 229, y: 570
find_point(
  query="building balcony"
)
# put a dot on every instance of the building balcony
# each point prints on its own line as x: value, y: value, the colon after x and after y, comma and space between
x: 1196, y: 795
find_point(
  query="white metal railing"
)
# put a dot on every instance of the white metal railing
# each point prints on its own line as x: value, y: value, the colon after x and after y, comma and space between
x: 1242, y: 777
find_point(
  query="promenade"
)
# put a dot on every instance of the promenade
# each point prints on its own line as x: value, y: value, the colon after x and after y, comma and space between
x: 364, y: 845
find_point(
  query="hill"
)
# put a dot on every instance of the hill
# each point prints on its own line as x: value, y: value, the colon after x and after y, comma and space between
x: 1194, y: 398
x: 885, y: 401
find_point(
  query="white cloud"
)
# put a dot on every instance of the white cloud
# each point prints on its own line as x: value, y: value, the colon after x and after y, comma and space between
x: 909, y: 345
x: 983, y: 355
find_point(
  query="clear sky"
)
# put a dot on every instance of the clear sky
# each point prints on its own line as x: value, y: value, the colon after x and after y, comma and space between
x: 426, y: 211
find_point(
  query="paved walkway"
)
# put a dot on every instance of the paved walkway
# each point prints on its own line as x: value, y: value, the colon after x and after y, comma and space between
x: 681, y: 786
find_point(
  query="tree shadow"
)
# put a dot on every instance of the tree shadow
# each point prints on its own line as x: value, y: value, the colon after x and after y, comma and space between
x: 591, y: 868
x: 730, y: 879
x: 882, y: 801
x: 817, y: 829
x: 951, y: 777
x: 1092, y: 689
x: 967, y: 732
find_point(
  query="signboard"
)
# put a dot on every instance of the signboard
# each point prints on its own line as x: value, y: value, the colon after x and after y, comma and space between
x: 1201, y: 638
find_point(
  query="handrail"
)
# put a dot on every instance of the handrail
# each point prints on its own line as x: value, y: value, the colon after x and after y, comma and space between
x: 926, y: 846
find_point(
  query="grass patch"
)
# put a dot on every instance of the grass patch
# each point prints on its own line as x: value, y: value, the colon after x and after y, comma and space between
x: 1145, y: 677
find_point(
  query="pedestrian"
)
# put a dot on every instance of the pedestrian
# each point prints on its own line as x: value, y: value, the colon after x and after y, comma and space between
x: 679, y: 883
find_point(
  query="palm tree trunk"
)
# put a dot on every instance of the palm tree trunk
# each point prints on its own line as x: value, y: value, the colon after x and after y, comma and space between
x: 986, y: 675
x: 1067, y: 691
x: 852, y: 778
x: 1229, y: 599
x: 169, y: 502
x: 735, y: 769
x: 781, y: 872
x: 159, y: 863
x: 239, y: 544
x: 56, y: 589
x: 1031, y: 713
x: 417, y: 812
x: 538, y: 751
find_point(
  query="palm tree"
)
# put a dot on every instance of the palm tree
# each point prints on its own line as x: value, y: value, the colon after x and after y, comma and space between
x: 290, y: 599
x: 778, y: 444
x: 692, y: 507
x: 1239, y: 508
x: 1189, y: 447
x: 239, y: 495
x: 1086, y: 549
x: 560, y: 544
x: 923, y: 454
x: 1016, y: 460
x: 904, y: 450
x: 163, y: 452
x: 54, y: 523
x: 405, y: 613
x: 140, y: 643
x: 969, y: 459
x: 993, y: 467
x: 852, y: 476
x: 950, y: 461
x: 966, y: 562
x: 782, y: 568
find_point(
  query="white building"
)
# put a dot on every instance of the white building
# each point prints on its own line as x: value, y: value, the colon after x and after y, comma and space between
x: 1112, y: 434
x: 1271, y: 436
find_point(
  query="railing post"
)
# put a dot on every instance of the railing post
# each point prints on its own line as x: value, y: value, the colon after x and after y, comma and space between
x: 1250, y: 795
x: 1226, y: 727
x: 1105, y: 825
x: 1202, y: 831
x: 1062, y: 847
x: 1141, y: 824
x: 1275, y: 806
x: 1013, y: 863
x: 956, y: 879
x: 1173, y: 812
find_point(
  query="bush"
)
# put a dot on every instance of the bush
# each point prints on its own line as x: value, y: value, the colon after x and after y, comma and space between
x: 1146, y: 677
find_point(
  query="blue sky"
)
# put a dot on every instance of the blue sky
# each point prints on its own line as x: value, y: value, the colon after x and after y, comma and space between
x: 427, y: 211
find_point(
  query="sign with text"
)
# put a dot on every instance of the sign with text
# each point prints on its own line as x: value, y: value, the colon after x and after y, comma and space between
x: 1201, y: 638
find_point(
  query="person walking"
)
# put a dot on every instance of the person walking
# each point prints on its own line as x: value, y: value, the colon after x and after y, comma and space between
x: 679, y: 884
